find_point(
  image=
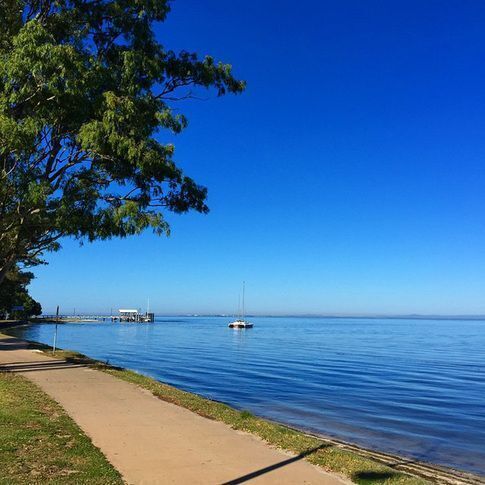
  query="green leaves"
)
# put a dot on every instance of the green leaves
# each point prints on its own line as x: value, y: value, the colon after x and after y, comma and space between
x: 85, y: 89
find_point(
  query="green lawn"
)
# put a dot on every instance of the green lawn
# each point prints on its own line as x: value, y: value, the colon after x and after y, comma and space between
x: 39, y: 443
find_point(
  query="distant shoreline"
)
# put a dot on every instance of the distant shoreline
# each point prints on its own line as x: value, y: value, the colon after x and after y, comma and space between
x: 86, y: 319
x: 385, y: 317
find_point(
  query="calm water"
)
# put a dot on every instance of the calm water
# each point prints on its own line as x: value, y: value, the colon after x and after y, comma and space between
x: 411, y: 387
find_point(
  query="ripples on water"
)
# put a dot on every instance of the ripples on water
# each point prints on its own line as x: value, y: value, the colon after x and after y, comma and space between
x: 412, y: 387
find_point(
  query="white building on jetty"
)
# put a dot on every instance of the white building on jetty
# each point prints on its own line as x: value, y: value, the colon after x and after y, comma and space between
x: 132, y: 315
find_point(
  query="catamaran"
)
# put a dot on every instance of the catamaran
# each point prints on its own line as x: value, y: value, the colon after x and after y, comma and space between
x: 240, y: 322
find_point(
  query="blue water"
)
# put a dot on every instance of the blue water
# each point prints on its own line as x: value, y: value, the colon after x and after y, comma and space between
x: 411, y: 387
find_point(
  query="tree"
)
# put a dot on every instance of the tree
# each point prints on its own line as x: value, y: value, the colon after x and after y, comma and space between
x: 13, y: 293
x: 86, y: 92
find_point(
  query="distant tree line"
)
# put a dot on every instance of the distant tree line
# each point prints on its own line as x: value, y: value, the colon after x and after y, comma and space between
x: 15, y: 301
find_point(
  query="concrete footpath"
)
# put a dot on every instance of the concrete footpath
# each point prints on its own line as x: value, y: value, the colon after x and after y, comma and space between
x: 150, y: 441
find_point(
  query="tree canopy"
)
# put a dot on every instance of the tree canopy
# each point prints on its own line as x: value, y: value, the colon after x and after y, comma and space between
x: 86, y: 91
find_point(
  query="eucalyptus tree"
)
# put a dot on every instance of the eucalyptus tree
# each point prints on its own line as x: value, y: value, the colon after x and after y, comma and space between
x: 87, y: 92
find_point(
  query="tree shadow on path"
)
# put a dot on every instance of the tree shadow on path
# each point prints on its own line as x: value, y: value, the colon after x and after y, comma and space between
x: 262, y: 471
x: 42, y: 365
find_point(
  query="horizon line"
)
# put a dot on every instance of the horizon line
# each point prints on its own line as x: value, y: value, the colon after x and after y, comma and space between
x: 410, y: 316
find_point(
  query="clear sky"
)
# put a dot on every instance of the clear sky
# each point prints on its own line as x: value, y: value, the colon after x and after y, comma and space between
x: 349, y: 178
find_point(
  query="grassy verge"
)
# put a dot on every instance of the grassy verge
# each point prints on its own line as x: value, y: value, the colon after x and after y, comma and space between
x: 39, y: 443
x: 329, y: 456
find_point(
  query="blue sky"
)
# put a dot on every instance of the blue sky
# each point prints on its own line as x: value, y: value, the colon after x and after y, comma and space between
x: 348, y: 178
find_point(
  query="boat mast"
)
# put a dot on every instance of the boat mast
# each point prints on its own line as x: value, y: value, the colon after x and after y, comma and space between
x: 244, y: 284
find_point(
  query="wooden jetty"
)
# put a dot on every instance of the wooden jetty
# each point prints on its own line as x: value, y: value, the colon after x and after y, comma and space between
x: 124, y: 316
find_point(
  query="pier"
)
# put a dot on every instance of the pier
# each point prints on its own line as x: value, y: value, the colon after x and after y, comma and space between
x: 124, y: 316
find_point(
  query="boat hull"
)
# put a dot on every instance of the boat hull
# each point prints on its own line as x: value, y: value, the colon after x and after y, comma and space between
x: 240, y: 325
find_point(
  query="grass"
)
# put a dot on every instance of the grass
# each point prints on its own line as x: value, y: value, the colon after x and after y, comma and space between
x: 40, y: 443
x: 325, y: 454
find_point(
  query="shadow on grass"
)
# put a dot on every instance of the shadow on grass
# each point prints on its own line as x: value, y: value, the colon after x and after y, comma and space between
x: 372, y: 477
x: 262, y: 471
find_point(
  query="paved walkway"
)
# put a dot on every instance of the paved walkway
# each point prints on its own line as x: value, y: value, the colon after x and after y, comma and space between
x: 150, y: 441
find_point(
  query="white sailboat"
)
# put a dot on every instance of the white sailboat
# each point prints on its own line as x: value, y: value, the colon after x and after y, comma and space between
x: 240, y: 322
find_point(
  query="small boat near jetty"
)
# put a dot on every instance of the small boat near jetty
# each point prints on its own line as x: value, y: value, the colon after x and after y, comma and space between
x: 240, y: 323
